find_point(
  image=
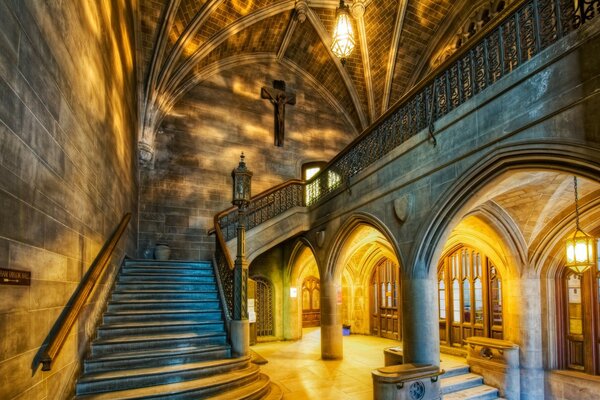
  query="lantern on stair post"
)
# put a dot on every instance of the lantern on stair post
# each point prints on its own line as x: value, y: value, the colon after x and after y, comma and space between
x: 240, y: 333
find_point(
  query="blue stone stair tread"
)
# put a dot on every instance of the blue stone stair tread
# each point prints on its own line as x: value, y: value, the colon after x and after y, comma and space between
x: 133, y: 325
x: 129, y: 373
x: 481, y: 392
x: 179, y: 389
x: 166, y: 336
x: 157, y: 312
x: 460, y: 382
x: 453, y: 368
x: 262, y: 386
x: 157, y: 353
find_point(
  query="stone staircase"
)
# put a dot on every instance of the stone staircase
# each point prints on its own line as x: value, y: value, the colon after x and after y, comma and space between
x: 163, y: 337
x: 458, y: 383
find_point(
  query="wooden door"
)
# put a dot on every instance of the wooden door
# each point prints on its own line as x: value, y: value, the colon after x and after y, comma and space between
x: 384, y: 300
x: 311, y: 308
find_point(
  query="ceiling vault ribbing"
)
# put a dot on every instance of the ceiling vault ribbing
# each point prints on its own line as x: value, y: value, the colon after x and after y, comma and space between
x: 387, y: 91
x: 287, y: 38
x: 326, y: 39
x: 364, y: 49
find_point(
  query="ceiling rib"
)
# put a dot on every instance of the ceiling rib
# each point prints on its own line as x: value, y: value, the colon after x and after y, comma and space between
x: 387, y: 90
x: 244, y: 22
x: 189, y: 33
x: 326, y: 39
x: 287, y: 38
x: 362, y: 32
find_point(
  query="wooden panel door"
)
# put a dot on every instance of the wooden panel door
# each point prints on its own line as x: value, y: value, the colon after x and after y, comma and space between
x: 311, y: 307
x: 384, y: 301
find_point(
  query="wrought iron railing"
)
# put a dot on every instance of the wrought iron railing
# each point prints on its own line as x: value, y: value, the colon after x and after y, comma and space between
x: 524, y: 29
x: 527, y: 28
x: 263, y: 207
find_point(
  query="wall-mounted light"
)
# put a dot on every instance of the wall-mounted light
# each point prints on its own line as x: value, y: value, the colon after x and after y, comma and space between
x: 580, y: 245
x: 293, y: 292
x: 343, y: 35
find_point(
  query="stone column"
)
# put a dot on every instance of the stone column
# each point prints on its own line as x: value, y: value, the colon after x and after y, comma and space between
x: 420, y: 325
x: 524, y: 320
x: 331, y: 321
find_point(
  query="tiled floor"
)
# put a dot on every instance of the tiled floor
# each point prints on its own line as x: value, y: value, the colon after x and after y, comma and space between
x: 297, y: 367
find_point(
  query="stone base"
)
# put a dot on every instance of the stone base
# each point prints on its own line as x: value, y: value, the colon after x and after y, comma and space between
x: 240, y: 337
x: 407, y: 382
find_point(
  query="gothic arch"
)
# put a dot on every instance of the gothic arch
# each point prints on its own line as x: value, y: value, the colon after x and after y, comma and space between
x: 334, y: 266
x: 575, y: 159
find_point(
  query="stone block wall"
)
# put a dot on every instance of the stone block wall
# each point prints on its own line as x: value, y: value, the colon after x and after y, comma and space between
x: 67, y: 173
x: 201, y: 142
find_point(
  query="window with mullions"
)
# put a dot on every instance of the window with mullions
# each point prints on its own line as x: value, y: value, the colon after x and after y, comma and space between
x: 469, y: 296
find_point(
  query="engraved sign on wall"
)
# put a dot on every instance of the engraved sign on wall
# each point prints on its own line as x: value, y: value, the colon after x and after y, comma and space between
x: 15, y: 277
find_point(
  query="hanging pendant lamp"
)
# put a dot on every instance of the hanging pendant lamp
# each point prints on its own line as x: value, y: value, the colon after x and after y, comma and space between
x: 580, y: 245
x: 343, y: 35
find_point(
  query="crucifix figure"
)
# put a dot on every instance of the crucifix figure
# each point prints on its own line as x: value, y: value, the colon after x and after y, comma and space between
x: 279, y: 98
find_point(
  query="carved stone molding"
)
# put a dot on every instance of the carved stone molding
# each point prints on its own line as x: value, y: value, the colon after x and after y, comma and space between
x: 301, y: 10
x: 402, y: 208
x: 145, y: 154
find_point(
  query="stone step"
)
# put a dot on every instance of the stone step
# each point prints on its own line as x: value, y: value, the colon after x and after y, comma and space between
x: 161, y: 315
x: 165, y: 341
x: 158, y: 327
x: 187, y: 390
x: 262, y: 388
x: 480, y: 392
x: 155, y: 358
x: 460, y: 382
x: 143, y: 377
x: 165, y: 286
x: 453, y: 368
x: 167, y: 264
x: 167, y: 277
x: 160, y: 270
x: 164, y: 295
x: 140, y: 305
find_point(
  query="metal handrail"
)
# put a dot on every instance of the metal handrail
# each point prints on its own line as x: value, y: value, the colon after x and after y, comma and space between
x: 62, y: 327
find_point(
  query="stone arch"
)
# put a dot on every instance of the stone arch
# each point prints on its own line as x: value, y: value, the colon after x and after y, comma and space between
x: 334, y: 266
x: 296, y: 270
x: 446, y: 213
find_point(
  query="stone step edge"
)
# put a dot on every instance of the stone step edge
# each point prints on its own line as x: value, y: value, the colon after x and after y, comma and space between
x: 472, y: 392
x: 157, y: 324
x: 163, y: 370
x: 176, y: 388
x: 157, y: 337
x: 174, y: 352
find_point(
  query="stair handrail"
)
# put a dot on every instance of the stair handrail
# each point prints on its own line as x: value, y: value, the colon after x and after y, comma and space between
x: 60, y: 331
x: 222, y: 258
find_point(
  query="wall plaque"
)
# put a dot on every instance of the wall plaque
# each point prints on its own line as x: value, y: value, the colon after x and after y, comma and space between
x: 15, y: 277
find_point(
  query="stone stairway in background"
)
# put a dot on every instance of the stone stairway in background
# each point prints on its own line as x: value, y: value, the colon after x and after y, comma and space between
x: 163, y: 337
x: 458, y: 383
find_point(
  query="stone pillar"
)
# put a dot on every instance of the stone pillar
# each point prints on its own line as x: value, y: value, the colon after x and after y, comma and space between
x: 420, y: 325
x: 331, y: 321
x: 524, y: 320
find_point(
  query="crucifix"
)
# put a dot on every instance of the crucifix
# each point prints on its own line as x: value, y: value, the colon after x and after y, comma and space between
x: 279, y: 98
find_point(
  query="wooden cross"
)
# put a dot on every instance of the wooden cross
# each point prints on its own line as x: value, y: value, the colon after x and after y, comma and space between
x: 279, y: 98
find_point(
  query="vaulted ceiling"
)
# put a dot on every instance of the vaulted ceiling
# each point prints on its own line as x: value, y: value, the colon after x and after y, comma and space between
x: 184, y: 42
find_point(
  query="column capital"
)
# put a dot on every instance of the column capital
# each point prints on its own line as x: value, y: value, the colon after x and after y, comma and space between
x: 301, y: 10
x: 358, y: 9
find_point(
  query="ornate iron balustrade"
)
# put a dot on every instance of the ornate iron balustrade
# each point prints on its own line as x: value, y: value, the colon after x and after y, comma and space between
x: 263, y: 207
x: 528, y: 28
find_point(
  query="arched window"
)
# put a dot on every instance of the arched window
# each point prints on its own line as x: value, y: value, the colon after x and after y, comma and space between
x: 472, y: 304
x: 264, y: 307
x: 579, y: 303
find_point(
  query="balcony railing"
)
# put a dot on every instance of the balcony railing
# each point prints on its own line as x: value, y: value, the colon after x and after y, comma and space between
x: 523, y: 30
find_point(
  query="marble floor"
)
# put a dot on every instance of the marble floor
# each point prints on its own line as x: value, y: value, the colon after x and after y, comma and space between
x: 297, y: 367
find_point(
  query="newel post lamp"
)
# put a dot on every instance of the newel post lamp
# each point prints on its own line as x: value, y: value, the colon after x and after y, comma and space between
x: 580, y: 245
x: 240, y: 329
x: 343, y: 40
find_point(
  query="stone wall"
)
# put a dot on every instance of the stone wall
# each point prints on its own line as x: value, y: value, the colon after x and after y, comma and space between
x: 201, y: 141
x: 67, y: 173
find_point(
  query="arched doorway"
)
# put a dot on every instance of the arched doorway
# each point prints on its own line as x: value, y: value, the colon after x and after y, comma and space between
x: 470, y: 296
x: 385, y: 300
x: 311, y: 307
